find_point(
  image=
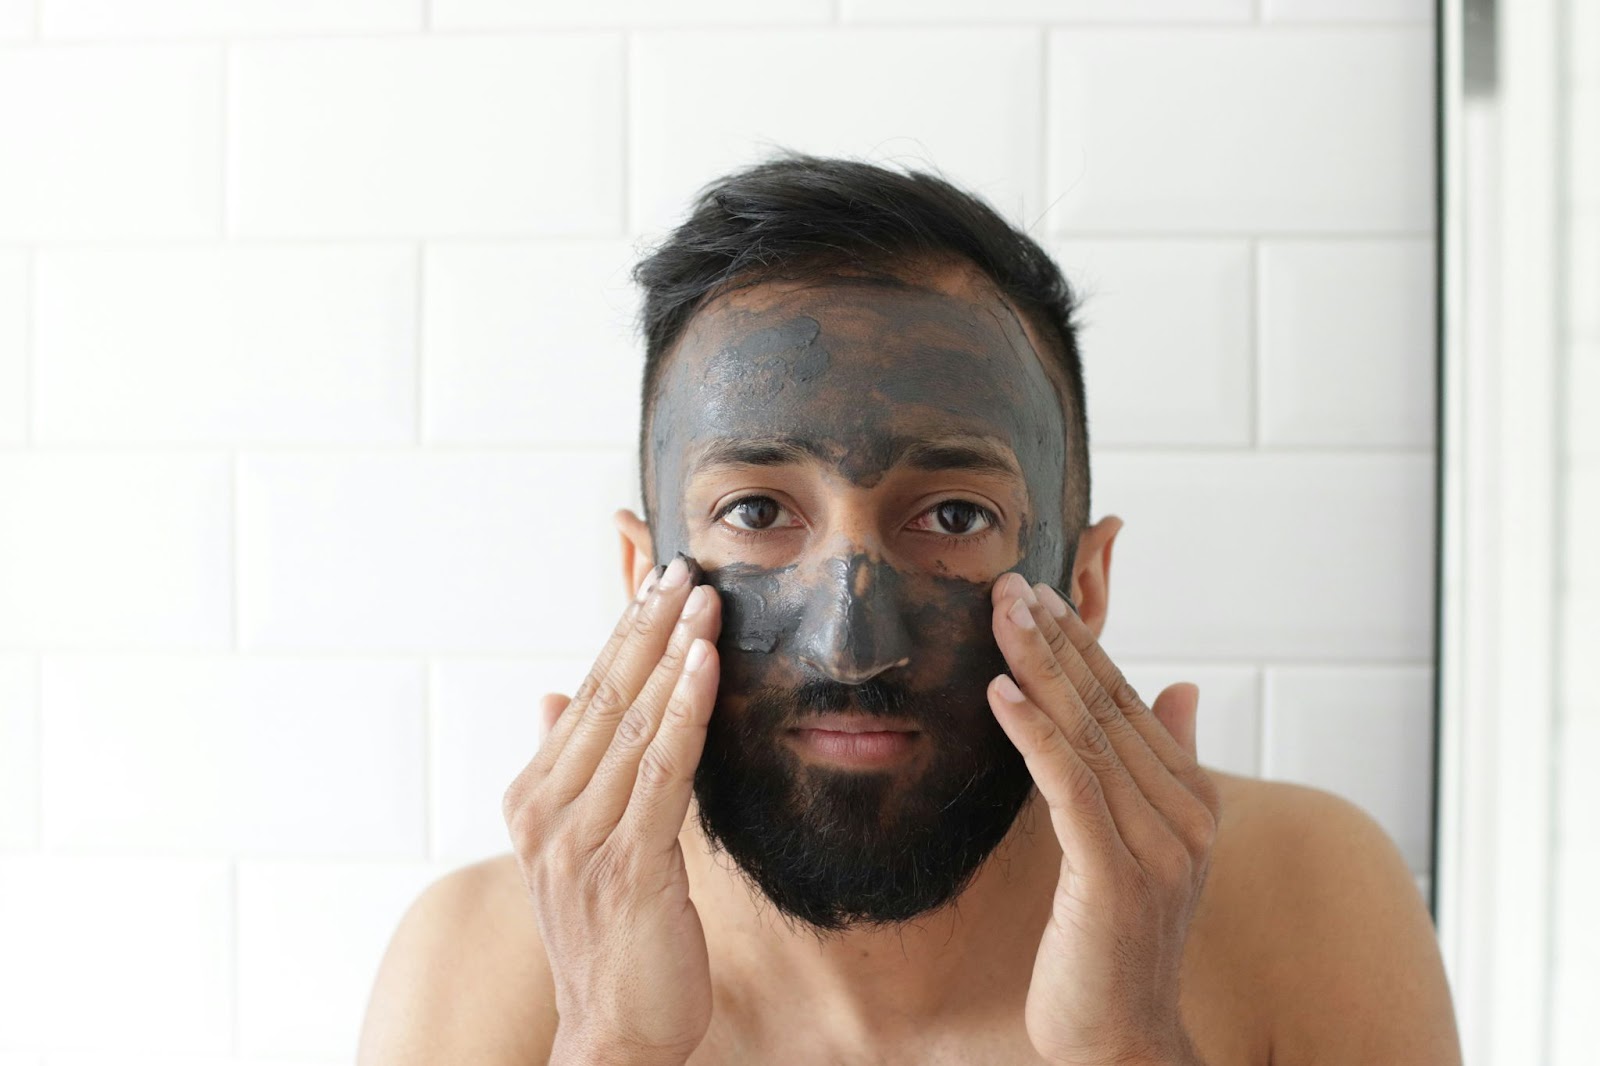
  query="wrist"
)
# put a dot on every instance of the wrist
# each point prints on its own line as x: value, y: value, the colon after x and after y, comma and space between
x: 573, y: 1047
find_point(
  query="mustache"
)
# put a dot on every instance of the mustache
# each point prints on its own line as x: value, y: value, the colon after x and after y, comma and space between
x: 772, y: 704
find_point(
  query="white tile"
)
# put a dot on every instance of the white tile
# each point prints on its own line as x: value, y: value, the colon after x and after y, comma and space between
x: 1033, y: 11
x: 1578, y: 629
x: 1581, y: 526
x: 253, y: 756
x: 1206, y: 129
x: 111, y: 141
x: 1580, y: 391
x: 1165, y: 338
x: 168, y: 18
x: 275, y: 343
x: 466, y: 552
x: 486, y: 727
x: 145, y: 942
x: 1365, y: 733
x: 13, y: 345
x: 626, y: 13
x: 965, y: 101
x: 1251, y: 557
x: 9, y: 1059
x: 436, y: 135
x: 311, y: 936
x: 1581, y: 143
x: 1347, y: 343
x: 531, y: 343
x: 127, y: 550
x: 19, y: 751
x: 1228, y: 722
x: 16, y: 19
x: 1347, y: 10
x: 1583, y: 273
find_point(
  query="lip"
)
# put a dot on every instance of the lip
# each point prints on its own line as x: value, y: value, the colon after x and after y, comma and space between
x: 856, y: 740
x: 856, y: 723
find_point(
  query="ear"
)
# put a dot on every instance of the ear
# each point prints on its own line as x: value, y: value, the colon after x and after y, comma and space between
x: 638, y: 553
x: 1091, y: 572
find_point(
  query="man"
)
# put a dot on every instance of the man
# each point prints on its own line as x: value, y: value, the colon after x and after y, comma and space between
x: 853, y: 781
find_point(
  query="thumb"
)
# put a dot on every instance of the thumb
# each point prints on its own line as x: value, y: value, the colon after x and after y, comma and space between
x: 551, y: 704
x: 1176, y: 708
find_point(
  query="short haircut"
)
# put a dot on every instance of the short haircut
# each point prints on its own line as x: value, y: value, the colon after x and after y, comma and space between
x: 801, y: 216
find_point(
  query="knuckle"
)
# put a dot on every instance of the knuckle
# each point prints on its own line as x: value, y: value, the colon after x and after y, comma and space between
x: 608, y: 698
x: 1123, y: 694
x: 1103, y: 706
x: 657, y: 767
x: 608, y: 869
x: 1091, y: 741
x: 1198, y: 828
x: 1083, y: 784
x: 634, y: 728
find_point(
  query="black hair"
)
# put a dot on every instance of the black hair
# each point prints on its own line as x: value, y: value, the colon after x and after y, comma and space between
x: 798, y: 215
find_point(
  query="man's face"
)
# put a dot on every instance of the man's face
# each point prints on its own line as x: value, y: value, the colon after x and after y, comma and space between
x: 854, y: 464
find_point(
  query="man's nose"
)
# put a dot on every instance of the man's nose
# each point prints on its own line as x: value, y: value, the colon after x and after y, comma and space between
x: 852, y: 628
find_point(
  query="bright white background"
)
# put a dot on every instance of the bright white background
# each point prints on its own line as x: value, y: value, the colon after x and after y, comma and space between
x: 317, y: 390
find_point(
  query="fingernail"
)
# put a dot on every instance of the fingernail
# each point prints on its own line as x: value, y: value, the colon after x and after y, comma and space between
x: 1008, y: 689
x: 677, y: 573
x: 1020, y: 614
x: 1052, y: 601
x: 697, y: 600
x: 649, y: 583
x: 697, y: 655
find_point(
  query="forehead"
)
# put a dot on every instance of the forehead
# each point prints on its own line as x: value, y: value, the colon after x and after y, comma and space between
x: 859, y: 365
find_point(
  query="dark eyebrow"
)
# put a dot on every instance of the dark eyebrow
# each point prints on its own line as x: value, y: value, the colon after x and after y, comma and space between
x: 966, y: 453
x: 961, y: 453
x: 758, y: 451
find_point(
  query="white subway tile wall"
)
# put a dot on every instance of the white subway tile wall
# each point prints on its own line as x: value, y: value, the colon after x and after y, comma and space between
x: 319, y: 388
x: 1576, y: 938
x: 13, y: 346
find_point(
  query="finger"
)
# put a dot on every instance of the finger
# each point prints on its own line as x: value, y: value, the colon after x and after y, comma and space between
x: 551, y: 704
x: 610, y: 696
x: 562, y: 729
x: 1176, y: 709
x: 665, y: 782
x: 606, y: 794
x: 1182, y: 763
x: 1071, y: 789
x: 1040, y: 676
x: 1170, y: 796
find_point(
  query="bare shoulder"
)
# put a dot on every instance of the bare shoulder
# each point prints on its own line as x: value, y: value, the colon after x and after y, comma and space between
x: 465, y: 978
x: 1318, y: 898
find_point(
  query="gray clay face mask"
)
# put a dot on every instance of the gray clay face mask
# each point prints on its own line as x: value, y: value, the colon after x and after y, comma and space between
x: 857, y: 381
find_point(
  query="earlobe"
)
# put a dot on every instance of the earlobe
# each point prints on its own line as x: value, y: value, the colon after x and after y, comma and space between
x: 638, y: 550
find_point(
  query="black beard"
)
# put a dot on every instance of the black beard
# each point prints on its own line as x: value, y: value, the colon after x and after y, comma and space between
x: 838, y: 849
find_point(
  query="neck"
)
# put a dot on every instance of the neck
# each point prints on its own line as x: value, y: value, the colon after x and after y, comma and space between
x: 873, y: 982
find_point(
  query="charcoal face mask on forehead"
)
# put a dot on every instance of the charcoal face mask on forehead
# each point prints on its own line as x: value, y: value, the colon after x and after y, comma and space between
x: 855, y: 378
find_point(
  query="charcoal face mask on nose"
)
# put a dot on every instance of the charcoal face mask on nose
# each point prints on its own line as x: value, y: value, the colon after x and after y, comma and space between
x: 829, y: 846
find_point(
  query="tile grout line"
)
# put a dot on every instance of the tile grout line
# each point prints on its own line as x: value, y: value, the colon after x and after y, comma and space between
x: 418, y: 364
x: 30, y: 313
x: 430, y: 833
x: 625, y: 162
x: 225, y: 147
x: 233, y: 955
x: 1261, y: 719
x: 1254, y: 340
x: 38, y: 750
x: 235, y: 576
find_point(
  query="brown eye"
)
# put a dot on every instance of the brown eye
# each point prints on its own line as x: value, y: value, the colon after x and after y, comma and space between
x: 753, y: 513
x: 955, y: 518
x: 958, y: 516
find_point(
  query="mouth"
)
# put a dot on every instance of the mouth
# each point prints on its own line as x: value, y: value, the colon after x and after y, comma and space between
x: 856, y: 739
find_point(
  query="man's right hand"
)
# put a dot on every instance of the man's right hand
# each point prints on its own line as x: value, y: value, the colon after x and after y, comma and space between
x: 594, y: 821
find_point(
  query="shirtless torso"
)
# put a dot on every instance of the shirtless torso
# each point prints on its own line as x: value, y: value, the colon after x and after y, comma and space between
x: 1310, y: 944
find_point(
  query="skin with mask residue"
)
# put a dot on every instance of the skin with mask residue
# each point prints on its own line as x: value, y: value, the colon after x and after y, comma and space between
x: 858, y: 378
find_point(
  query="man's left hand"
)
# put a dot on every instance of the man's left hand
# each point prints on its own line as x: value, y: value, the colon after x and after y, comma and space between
x: 1136, y: 817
